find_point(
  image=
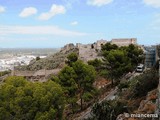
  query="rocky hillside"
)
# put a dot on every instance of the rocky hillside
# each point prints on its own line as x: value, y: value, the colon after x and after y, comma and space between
x: 54, y: 61
x: 147, y: 106
x: 85, y: 53
x: 141, y: 96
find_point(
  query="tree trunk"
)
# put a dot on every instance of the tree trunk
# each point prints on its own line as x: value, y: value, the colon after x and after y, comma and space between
x: 81, y: 104
x: 72, y: 106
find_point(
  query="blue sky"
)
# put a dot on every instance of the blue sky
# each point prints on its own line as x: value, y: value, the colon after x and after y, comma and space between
x: 54, y: 23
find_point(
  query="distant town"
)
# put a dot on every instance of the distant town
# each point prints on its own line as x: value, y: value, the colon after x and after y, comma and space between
x: 9, y: 58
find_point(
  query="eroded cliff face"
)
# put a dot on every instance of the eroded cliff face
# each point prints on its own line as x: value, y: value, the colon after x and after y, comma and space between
x: 147, y: 106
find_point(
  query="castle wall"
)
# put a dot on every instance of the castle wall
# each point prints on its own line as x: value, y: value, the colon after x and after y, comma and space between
x: 124, y: 42
x: 99, y: 43
x: 90, y: 51
x: 40, y: 75
x: 86, y: 52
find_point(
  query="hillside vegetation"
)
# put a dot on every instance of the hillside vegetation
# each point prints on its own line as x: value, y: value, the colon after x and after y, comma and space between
x: 135, y: 96
x: 73, y: 89
x: 51, y: 62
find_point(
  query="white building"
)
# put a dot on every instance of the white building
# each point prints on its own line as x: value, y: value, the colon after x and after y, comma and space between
x: 9, y: 63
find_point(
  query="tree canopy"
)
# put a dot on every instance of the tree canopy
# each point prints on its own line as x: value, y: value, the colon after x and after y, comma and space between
x: 118, y: 63
x: 23, y: 100
x: 67, y: 79
x: 120, y: 60
x: 71, y: 58
x: 76, y: 79
x: 96, y: 63
x: 85, y: 78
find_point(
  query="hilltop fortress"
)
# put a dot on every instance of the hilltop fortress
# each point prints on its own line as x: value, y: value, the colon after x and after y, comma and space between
x: 97, y: 45
x: 90, y: 51
x: 41, y: 69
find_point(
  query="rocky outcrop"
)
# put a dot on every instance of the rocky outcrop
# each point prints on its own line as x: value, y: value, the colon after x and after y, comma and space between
x: 147, y: 106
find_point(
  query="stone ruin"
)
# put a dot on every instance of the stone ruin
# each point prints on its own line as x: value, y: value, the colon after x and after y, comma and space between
x: 90, y: 51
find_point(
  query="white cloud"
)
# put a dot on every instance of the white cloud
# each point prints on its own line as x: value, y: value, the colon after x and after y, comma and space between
x: 153, y: 3
x: 38, y: 30
x: 69, y: 3
x: 55, y: 10
x: 98, y: 3
x: 74, y: 23
x: 28, y: 12
x: 2, y: 9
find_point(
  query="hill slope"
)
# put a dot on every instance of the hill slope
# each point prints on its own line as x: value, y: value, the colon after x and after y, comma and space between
x: 54, y: 61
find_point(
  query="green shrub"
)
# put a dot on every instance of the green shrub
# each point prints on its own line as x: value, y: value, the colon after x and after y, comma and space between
x: 108, y: 110
x: 144, y: 83
x: 4, y: 73
x: 123, y: 85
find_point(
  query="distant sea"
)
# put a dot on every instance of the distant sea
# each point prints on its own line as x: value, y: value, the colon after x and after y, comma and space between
x: 10, y: 52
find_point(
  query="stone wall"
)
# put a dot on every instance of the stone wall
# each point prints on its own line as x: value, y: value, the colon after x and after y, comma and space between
x: 90, y: 51
x: 22, y: 73
x: 40, y: 75
x: 84, y: 51
x: 87, y: 54
x: 99, y: 43
x: 124, y: 41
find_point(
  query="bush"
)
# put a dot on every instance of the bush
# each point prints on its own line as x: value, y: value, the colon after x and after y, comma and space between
x: 108, y: 110
x: 38, y: 58
x: 122, y: 85
x: 4, y: 73
x: 144, y: 83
